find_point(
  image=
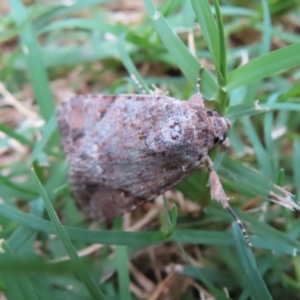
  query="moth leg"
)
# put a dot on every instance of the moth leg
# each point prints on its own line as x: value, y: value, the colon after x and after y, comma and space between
x: 217, y: 192
x: 216, y: 189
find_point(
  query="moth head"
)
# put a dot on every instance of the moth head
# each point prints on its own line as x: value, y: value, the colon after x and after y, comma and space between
x: 219, y: 126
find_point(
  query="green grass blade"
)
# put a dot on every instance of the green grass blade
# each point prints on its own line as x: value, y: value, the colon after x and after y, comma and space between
x: 261, y: 155
x: 77, y: 263
x: 129, y: 65
x: 22, y: 280
x: 123, y: 272
x: 48, y: 130
x: 217, y: 293
x: 15, y: 135
x: 273, y: 62
x: 252, y: 183
x: 271, y: 239
x: 23, y: 233
x: 296, y: 164
x: 34, y: 60
x: 209, y: 28
x: 222, y: 45
x: 245, y: 109
x: 187, y: 63
x: 80, y: 23
x: 267, y: 29
x: 254, y: 280
x: 13, y: 290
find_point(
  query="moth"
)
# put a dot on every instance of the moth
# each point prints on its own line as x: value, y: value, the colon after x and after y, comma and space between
x: 127, y: 149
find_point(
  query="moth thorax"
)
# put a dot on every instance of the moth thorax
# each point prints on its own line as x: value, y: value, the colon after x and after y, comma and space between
x: 219, y: 126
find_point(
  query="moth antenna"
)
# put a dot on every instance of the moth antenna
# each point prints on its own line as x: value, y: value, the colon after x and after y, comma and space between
x: 198, y: 84
x: 138, y: 84
x: 238, y: 220
x: 199, y: 81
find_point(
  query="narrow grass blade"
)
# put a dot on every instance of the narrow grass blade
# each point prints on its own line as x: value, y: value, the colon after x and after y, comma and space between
x: 48, y: 130
x: 77, y: 263
x: 270, y: 238
x: 296, y: 164
x: 13, y: 291
x: 245, y: 109
x: 11, y: 189
x: 222, y: 45
x: 15, y: 135
x: 129, y: 65
x: 209, y: 28
x: 34, y: 61
x: 273, y: 62
x: 218, y: 294
x: 265, y: 230
x: 181, y: 55
x: 254, y: 281
x: 21, y: 280
x: 123, y: 272
x: 23, y: 233
x: 188, y: 15
x: 57, y: 11
x: 89, y: 24
x: 260, y: 151
x: 267, y: 27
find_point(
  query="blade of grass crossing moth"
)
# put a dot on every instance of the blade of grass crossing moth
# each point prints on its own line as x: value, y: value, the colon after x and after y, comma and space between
x: 104, y: 237
x: 35, y: 65
x: 77, y: 263
x: 209, y: 28
x: 254, y: 281
x: 130, y: 67
x: 200, y: 237
x: 273, y: 62
x: 123, y: 272
x: 187, y: 63
x: 296, y: 164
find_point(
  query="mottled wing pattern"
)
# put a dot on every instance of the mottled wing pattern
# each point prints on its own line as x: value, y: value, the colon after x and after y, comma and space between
x: 125, y: 150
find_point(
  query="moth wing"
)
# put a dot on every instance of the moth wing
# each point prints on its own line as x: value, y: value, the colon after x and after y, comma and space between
x: 90, y: 175
x: 105, y: 141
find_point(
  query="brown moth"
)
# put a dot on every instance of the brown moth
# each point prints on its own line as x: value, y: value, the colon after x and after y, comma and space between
x: 125, y: 150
